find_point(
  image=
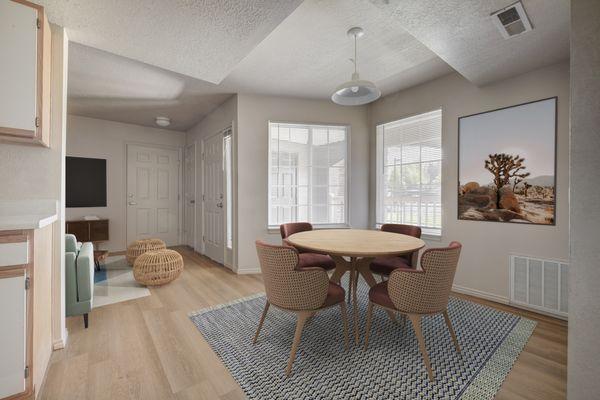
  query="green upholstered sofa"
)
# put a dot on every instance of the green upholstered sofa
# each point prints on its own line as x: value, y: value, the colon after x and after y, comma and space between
x: 79, y: 277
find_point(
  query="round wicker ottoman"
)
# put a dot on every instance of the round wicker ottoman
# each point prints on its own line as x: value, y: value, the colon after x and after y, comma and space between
x: 155, y: 268
x: 139, y: 247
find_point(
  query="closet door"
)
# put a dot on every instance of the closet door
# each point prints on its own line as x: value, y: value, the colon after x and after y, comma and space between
x: 13, y: 306
x: 18, y: 70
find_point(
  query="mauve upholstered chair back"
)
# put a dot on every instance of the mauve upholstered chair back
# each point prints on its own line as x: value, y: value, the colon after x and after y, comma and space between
x: 287, y: 287
x: 410, y: 230
x: 294, y: 227
x: 426, y: 291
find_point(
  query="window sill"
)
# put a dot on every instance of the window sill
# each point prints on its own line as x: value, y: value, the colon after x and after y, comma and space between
x: 433, y: 238
x: 275, y: 229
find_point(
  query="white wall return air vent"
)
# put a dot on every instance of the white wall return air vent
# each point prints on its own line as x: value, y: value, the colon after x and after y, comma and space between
x: 539, y: 284
x: 512, y: 20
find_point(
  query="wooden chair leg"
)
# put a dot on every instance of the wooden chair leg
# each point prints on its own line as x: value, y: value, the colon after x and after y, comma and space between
x: 262, y: 320
x: 416, y: 322
x: 368, y: 325
x: 345, y: 323
x: 85, y: 320
x: 451, y: 329
x: 355, y: 305
x: 302, y: 317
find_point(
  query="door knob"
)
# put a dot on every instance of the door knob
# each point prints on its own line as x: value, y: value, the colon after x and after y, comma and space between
x: 132, y: 203
x: 220, y: 205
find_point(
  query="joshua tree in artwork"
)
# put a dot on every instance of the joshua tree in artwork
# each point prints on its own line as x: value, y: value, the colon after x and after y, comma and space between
x: 526, y: 187
x: 505, y: 167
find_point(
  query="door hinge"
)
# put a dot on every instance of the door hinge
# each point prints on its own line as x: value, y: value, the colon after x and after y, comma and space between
x: 37, y: 122
x: 203, y: 197
x: 38, y: 23
x: 27, y: 283
x: 26, y: 372
x: 203, y: 238
x: 203, y: 156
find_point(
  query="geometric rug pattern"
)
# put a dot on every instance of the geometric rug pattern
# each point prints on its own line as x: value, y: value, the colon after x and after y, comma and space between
x: 392, y: 366
x: 114, y: 283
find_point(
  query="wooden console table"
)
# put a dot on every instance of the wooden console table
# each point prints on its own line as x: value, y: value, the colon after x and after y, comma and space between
x: 89, y: 231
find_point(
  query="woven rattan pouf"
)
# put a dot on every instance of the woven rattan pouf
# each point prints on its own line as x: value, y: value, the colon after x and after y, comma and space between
x: 139, y: 247
x: 155, y: 268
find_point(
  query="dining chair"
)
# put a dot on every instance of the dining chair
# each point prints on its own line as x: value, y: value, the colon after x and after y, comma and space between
x: 418, y: 293
x: 301, y: 291
x: 307, y: 259
x: 383, y: 266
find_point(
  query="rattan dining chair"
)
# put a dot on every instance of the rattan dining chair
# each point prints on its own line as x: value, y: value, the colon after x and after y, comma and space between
x: 307, y: 259
x: 383, y: 266
x: 418, y: 293
x: 301, y: 291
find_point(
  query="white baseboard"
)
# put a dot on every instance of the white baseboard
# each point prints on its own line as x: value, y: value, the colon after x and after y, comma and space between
x: 481, y: 294
x: 247, y: 271
x: 60, y: 343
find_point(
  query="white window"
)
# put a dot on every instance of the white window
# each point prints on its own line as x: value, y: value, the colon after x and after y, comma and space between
x: 308, y: 167
x: 409, y: 172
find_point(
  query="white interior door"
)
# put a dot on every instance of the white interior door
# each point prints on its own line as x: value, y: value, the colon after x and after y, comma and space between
x: 152, y: 194
x: 213, y: 221
x: 13, y: 303
x: 189, y: 220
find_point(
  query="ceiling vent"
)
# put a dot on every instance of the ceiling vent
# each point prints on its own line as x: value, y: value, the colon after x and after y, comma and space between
x: 512, y: 20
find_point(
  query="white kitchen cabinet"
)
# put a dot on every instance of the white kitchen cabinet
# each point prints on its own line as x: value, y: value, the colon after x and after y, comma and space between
x: 13, y: 331
x: 24, y: 73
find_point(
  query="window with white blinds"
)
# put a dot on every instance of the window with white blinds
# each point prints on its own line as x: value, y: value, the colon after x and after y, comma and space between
x: 409, y: 172
x: 308, y: 167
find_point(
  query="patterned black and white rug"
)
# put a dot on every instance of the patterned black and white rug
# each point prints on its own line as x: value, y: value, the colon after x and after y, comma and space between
x: 391, y: 368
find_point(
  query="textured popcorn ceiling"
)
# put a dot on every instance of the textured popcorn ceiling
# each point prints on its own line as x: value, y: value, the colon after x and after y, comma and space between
x: 307, y: 55
x: 204, y: 39
x: 462, y: 33
x: 106, y: 86
x: 283, y: 47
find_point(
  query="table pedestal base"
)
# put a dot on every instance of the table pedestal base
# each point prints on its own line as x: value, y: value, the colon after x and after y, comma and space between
x: 356, y: 266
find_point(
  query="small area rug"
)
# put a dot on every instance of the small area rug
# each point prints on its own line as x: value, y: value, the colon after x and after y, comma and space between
x: 391, y: 368
x: 115, y: 283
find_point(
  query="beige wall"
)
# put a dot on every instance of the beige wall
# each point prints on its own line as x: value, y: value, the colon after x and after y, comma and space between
x: 484, y: 264
x: 95, y: 138
x: 219, y: 119
x: 584, y: 276
x: 254, y: 112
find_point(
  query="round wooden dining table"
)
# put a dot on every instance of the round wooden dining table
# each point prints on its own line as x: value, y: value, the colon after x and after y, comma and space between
x: 360, y: 247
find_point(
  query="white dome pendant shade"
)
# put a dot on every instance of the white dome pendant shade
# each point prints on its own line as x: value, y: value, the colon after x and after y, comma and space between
x: 355, y: 92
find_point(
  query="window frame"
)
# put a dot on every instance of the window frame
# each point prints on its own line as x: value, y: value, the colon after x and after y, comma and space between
x: 428, y: 233
x: 346, y: 224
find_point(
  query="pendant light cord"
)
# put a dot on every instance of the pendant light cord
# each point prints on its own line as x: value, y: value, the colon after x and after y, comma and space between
x: 355, y: 55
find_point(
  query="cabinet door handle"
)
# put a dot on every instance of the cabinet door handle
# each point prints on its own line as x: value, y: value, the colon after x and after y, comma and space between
x: 132, y: 203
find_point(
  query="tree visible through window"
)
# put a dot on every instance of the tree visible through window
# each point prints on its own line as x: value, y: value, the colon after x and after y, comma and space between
x: 307, y: 174
x: 409, y: 172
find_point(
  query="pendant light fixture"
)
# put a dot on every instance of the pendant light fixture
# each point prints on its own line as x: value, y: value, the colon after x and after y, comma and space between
x: 355, y: 92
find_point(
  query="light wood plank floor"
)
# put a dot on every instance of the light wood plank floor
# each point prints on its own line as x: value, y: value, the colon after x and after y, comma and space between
x: 149, y: 349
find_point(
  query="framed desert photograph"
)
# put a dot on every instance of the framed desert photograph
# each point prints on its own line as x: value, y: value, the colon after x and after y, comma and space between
x: 507, y: 164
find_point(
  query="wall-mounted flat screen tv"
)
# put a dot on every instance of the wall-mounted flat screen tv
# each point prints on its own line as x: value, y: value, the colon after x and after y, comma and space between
x: 86, y: 182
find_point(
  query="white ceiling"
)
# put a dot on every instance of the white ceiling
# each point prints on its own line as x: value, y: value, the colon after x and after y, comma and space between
x: 307, y: 55
x: 288, y: 47
x: 106, y: 86
x: 462, y: 33
x: 204, y: 39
